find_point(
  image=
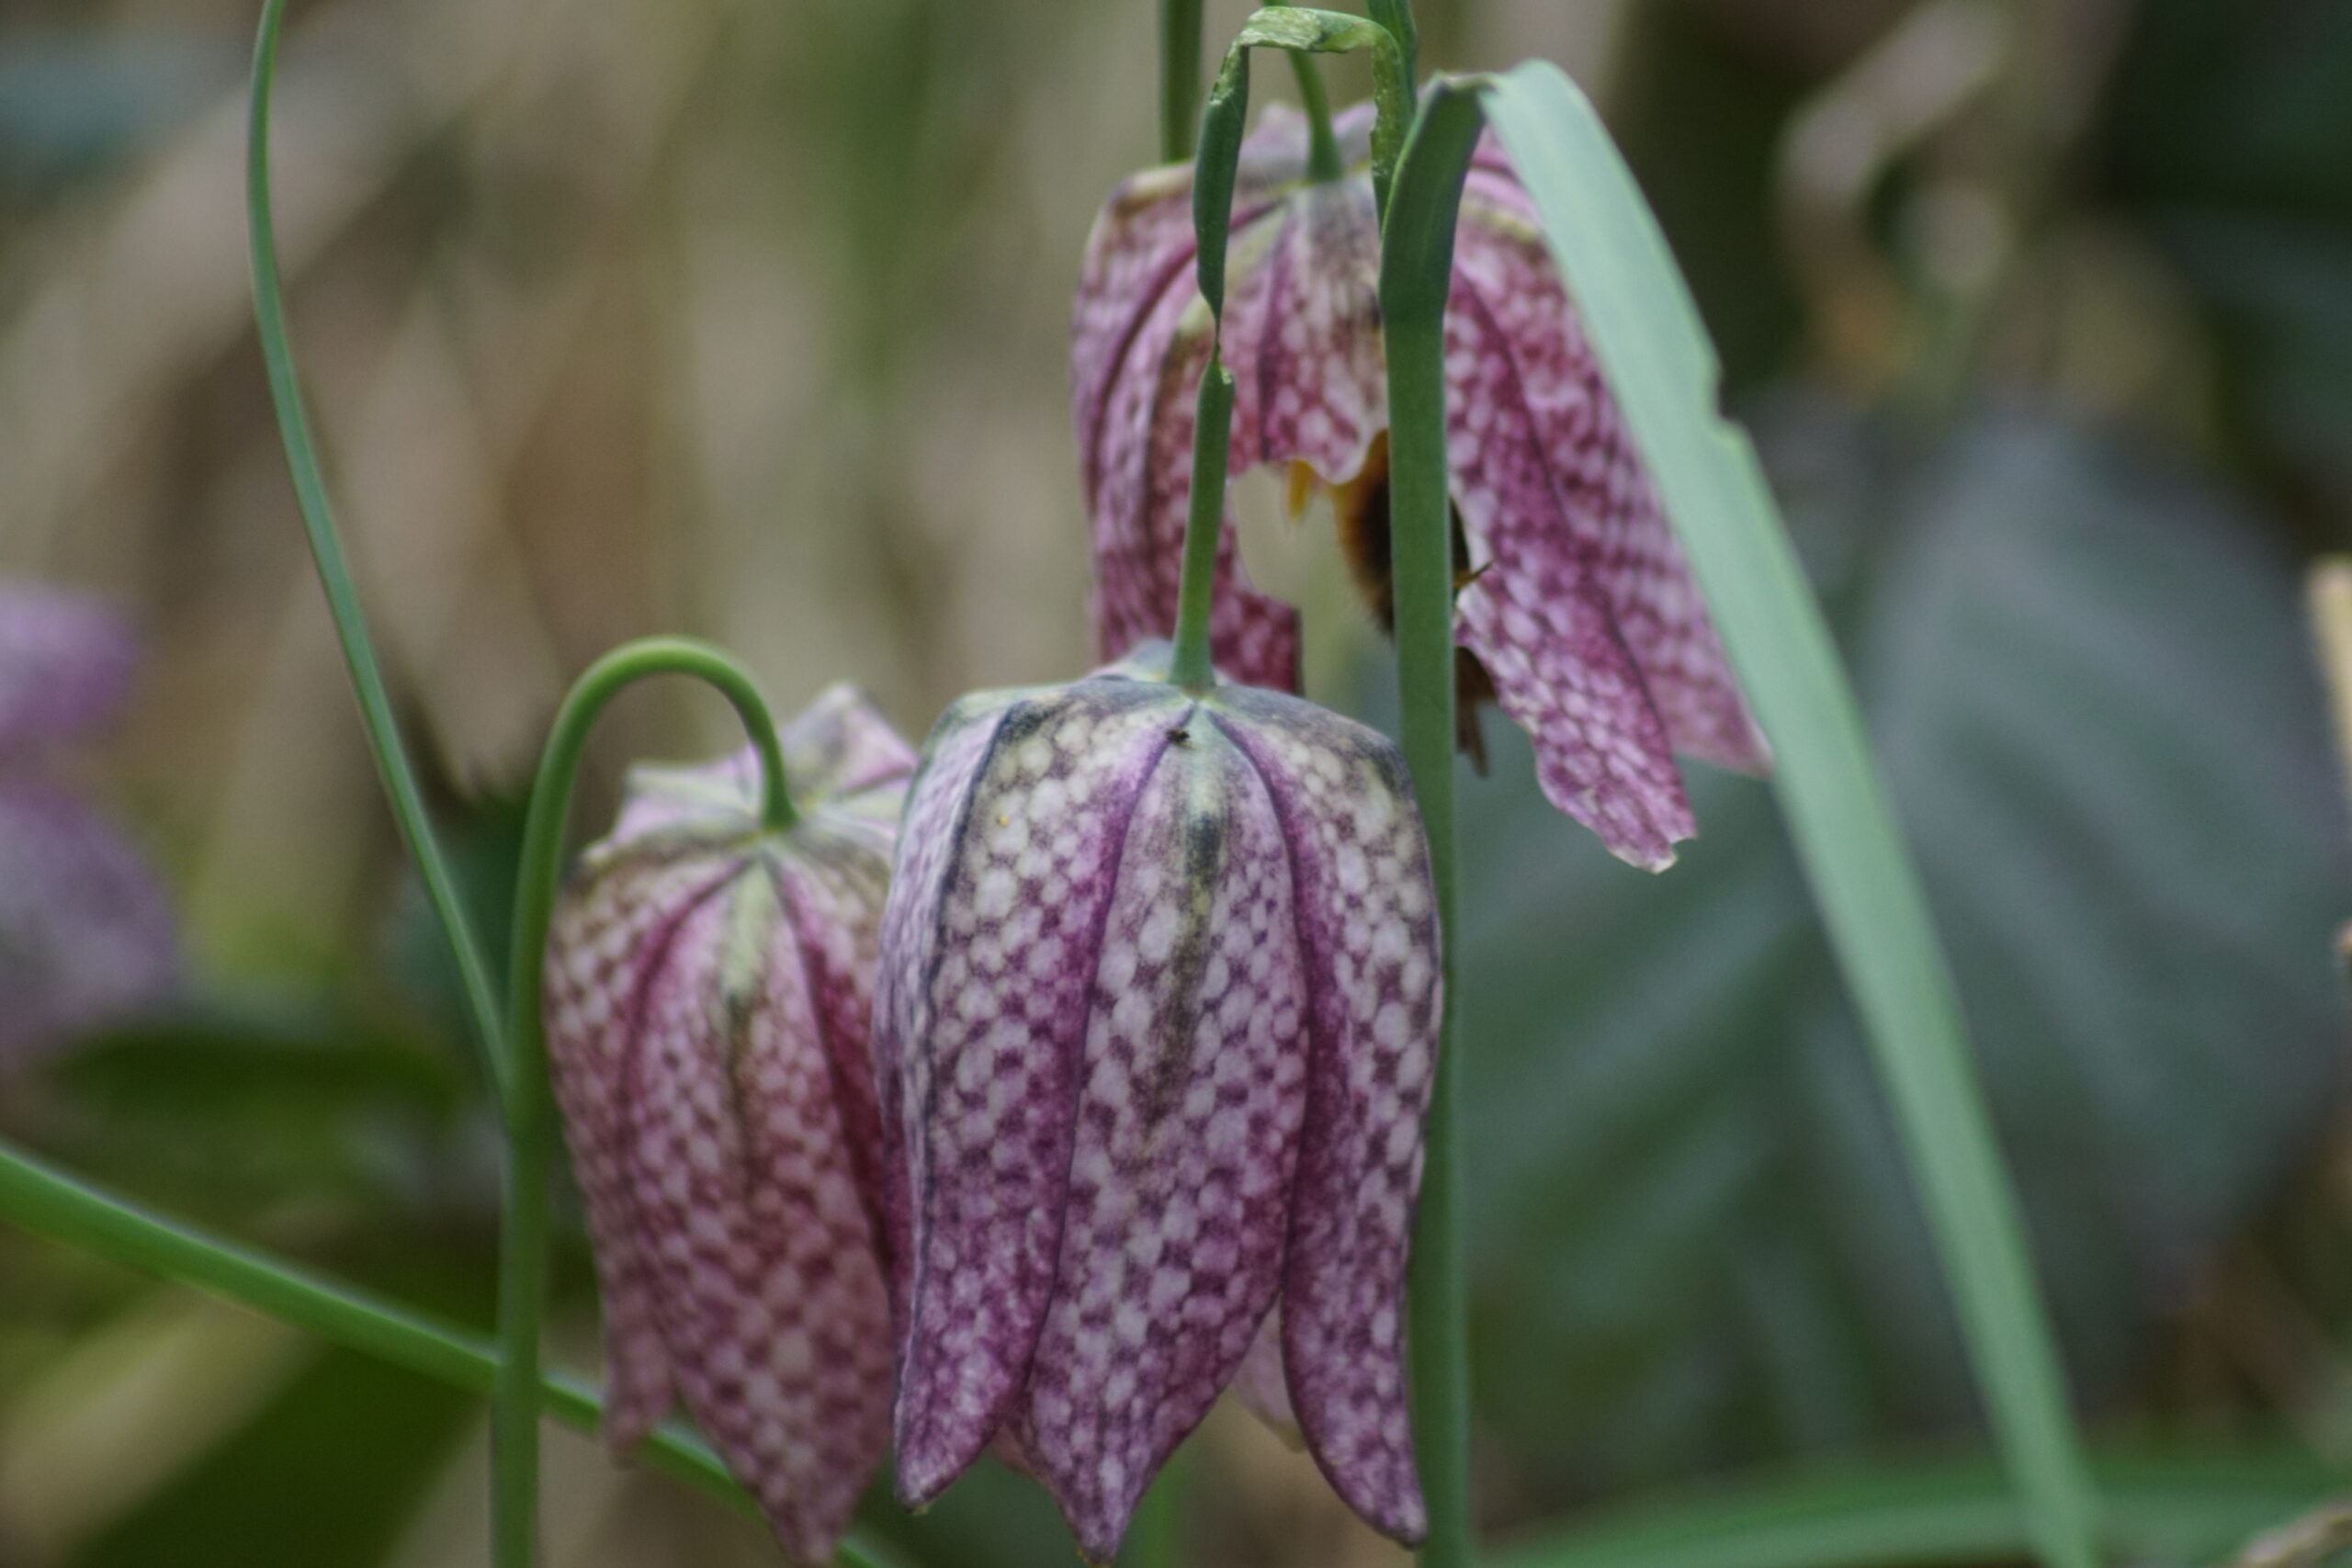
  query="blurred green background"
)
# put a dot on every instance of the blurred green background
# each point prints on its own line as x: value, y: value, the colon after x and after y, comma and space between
x: 633, y: 315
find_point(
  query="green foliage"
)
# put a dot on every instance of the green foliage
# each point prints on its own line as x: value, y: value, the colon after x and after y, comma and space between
x: 1693, y: 1242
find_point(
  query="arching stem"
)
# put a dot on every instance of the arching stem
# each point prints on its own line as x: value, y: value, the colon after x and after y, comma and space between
x: 530, y: 1112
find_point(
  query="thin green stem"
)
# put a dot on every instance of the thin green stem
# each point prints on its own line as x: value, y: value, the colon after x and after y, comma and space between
x: 1324, y: 163
x: 530, y: 1122
x: 1180, y: 77
x: 334, y: 572
x: 48, y: 1202
x: 1416, y: 274
x: 1189, y: 667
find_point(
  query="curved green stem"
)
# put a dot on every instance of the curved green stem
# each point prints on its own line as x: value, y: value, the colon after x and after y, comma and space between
x: 1324, y: 163
x: 530, y: 1122
x: 1180, y: 77
x: 1302, y: 31
x: 1415, y: 274
x: 48, y: 1202
x: 334, y: 572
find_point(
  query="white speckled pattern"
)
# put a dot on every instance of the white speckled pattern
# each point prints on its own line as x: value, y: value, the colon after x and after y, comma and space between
x: 1160, y: 997
x: 709, y: 991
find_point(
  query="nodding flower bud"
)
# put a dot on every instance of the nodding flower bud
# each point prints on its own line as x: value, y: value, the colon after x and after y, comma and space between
x: 1157, y: 1026
x: 709, y: 983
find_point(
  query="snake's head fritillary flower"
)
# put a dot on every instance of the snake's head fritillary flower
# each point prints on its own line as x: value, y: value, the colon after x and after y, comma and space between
x: 1575, y: 608
x: 1158, y: 1016
x: 85, y: 931
x: 709, y: 986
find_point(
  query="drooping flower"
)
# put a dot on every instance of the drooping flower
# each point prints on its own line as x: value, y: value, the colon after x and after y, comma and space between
x: 1157, y: 1026
x: 85, y: 931
x: 709, y: 986
x: 1575, y: 609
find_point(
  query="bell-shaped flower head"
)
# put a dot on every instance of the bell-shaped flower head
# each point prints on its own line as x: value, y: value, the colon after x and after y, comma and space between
x: 709, y: 986
x: 1157, y: 1027
x: 85, y: 932
x: 1576, y: 608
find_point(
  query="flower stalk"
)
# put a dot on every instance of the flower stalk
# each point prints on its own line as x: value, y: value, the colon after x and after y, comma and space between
x: 530, y: 1108
x: 1415, y: 274
x: 1416, y: 259
x: 1180, y: 78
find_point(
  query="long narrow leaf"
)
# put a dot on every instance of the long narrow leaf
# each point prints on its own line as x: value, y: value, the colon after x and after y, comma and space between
x: 1647, y: 335
x: 48, y: 1202
x: 2181, y: 1508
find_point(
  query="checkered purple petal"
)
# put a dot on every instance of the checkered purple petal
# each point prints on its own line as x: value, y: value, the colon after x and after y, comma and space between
x: 988, y: 943
x: 1187, y: 1131
x: 1367, y: 929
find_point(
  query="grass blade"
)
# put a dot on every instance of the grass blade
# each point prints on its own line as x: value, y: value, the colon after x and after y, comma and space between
x: 334, y: 572
x: 2170, y: 1508
x: 1647, y: 333
x: 48, y: 1202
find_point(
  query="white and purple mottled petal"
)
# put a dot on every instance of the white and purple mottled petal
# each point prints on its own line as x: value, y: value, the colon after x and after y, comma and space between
x: 1601, y: 497
x: 769, y: 1293
x: 66, y: 661
x: 984, y: 953
x: 1582, y: 614
x: 935, y: 811
x: 838, y: 749
x: 1140, y: 339
x: 1368, y: 932
x: 708, y: 1000
x: 86, y: 935
x: 612, y: 933
x: 833, y: 885
x: 838, y: 752
x: 1302, y: 338
x: 1180, y: 1175
x: 1262, y: 1384
x: 1537, y: 617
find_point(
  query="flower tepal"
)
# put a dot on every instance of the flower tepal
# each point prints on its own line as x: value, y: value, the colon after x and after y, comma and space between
x: 709, y: 986
x: 1158, y: 1013
x: 1575, y: 609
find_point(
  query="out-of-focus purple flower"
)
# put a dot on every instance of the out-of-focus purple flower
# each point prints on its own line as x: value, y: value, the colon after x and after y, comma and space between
x: 1575, y: 609
x: 1157, y: 1026
x: 709, y: 988
x: 85, y: 933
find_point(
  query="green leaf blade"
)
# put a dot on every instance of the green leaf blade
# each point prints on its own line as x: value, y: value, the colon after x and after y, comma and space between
x: 1645, y: 330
